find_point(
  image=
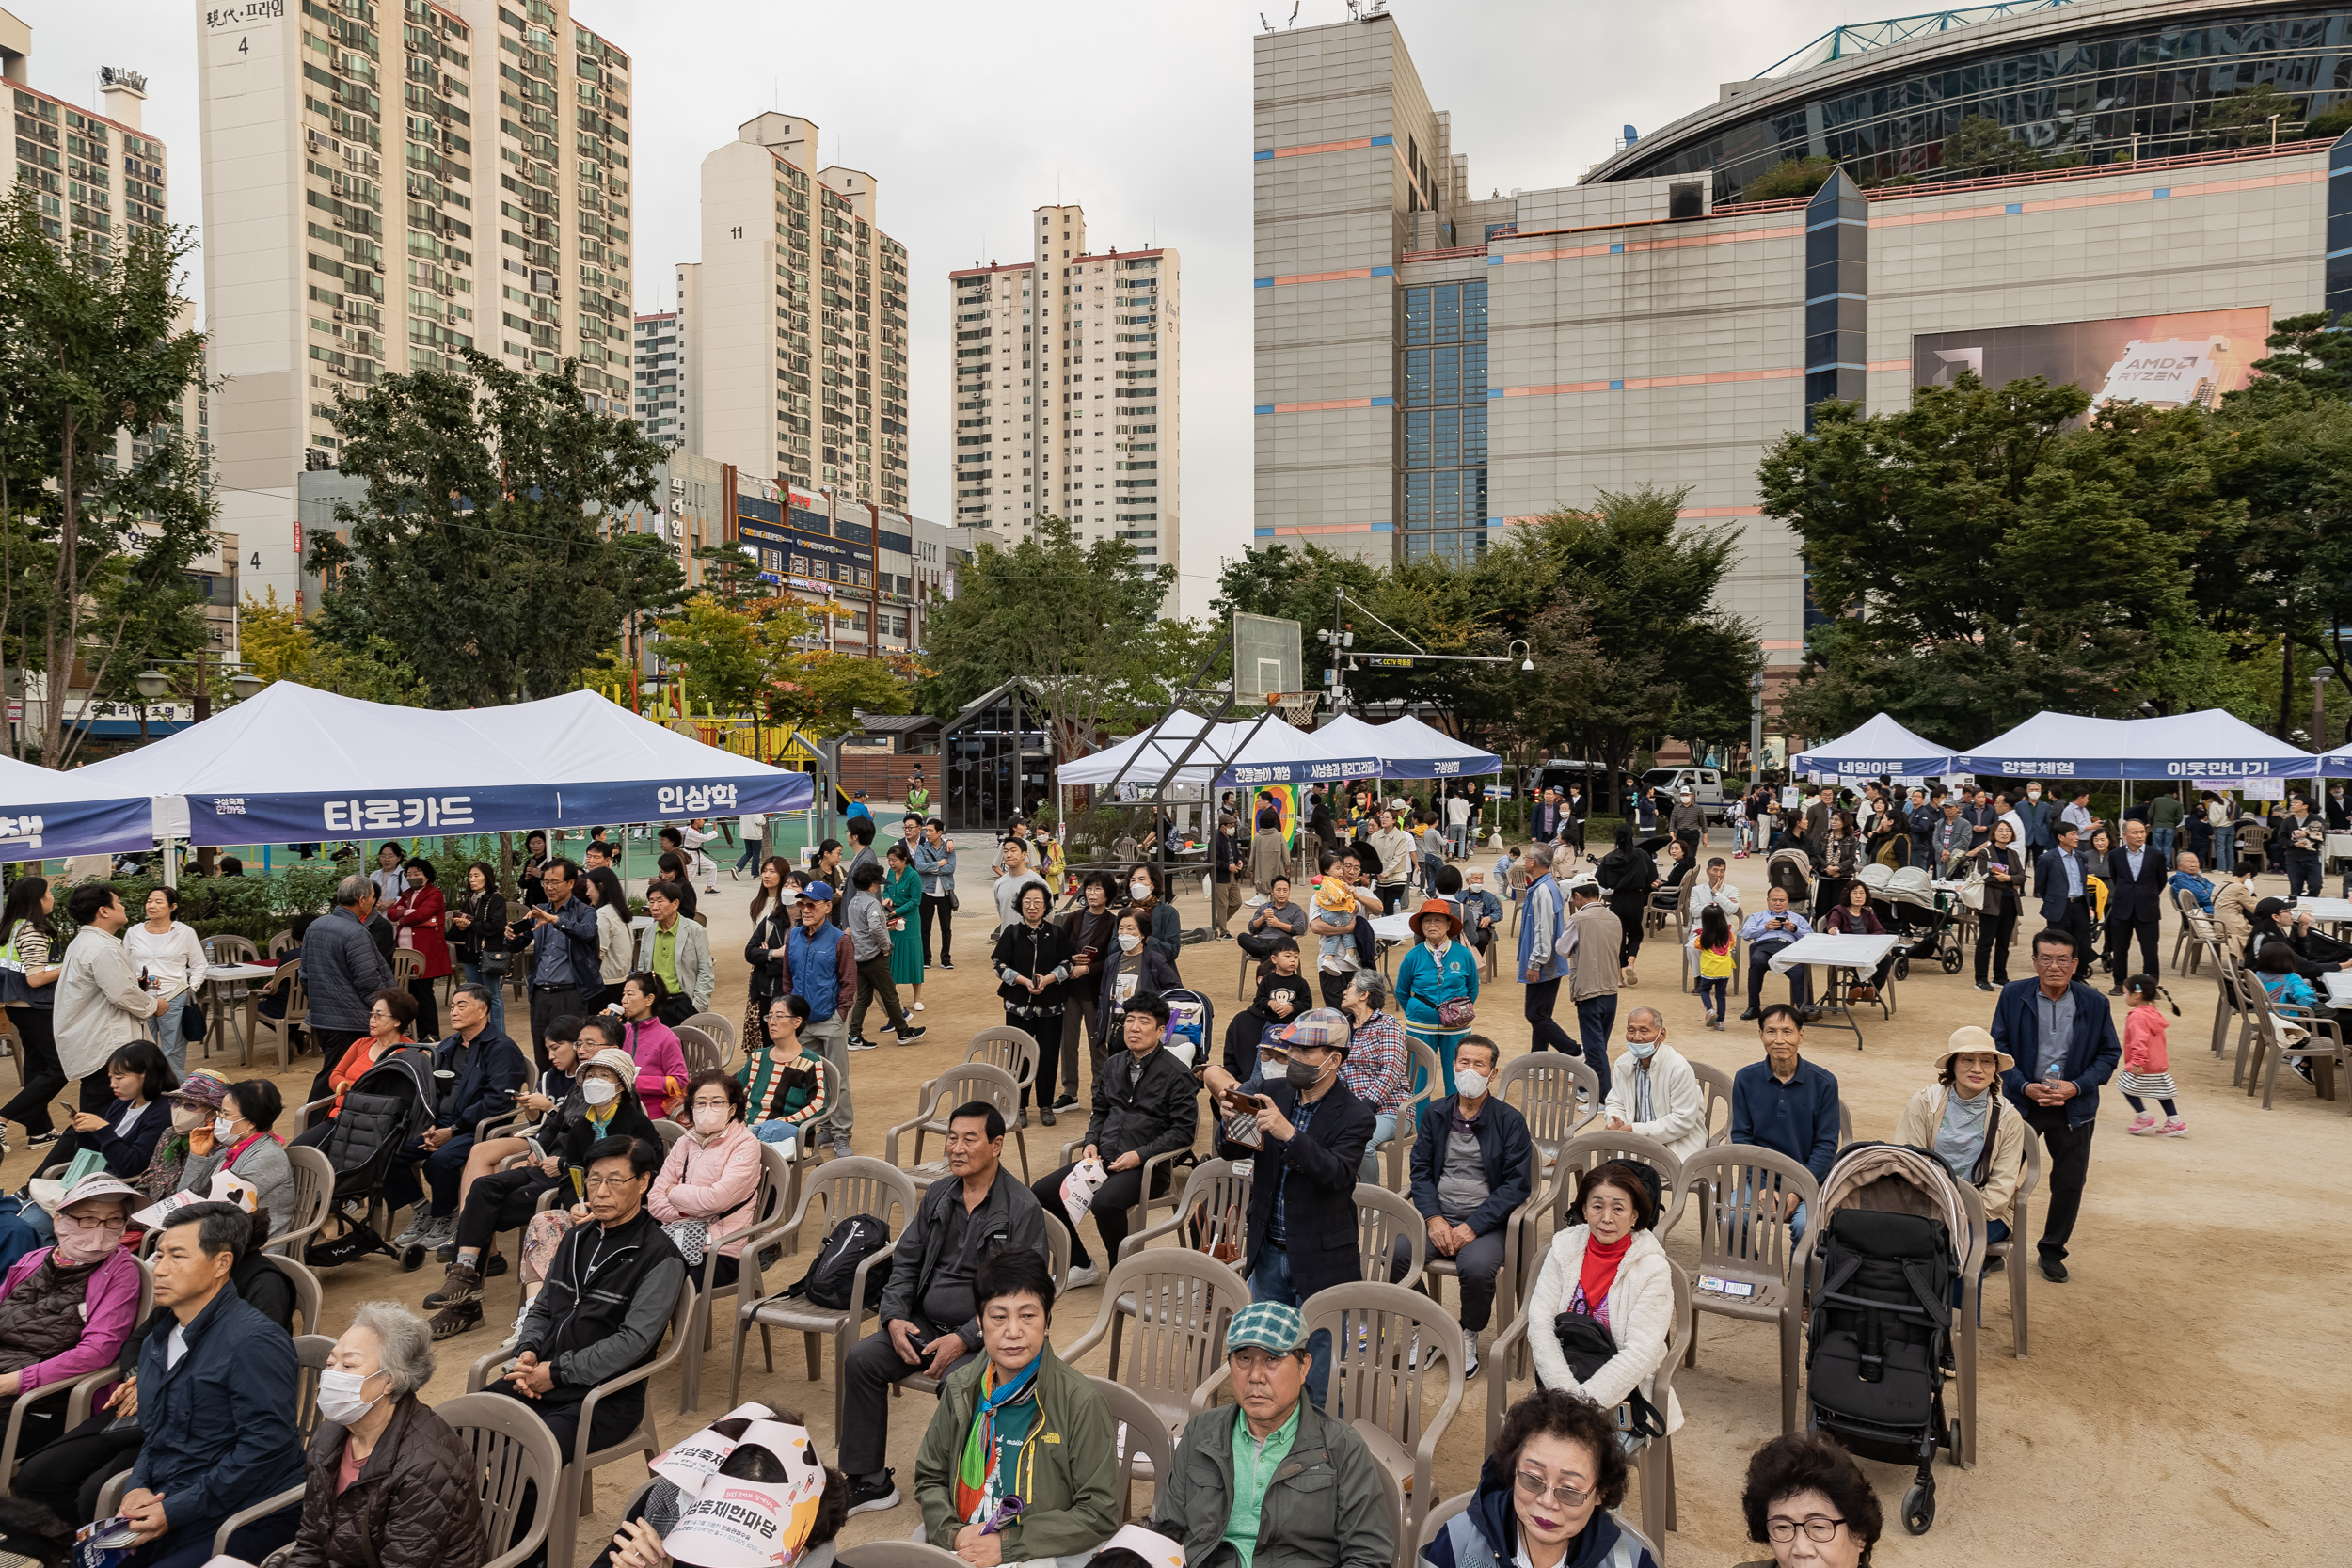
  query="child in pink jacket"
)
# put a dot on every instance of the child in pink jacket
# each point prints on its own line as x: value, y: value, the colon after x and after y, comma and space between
x: 2146, y: 1073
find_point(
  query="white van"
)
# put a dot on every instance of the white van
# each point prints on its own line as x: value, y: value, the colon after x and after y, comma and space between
x: 1706, y: 786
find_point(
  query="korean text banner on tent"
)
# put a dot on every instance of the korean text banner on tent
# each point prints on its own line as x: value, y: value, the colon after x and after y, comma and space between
x: 296, y: 818
x: 46, y: 829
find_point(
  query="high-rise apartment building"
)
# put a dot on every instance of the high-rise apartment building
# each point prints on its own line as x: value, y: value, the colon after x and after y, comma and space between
x: 792, y: 328
x: 656, y: 373
x: 387, y: 182
x: 97, y: 178
x: 1068, y: 387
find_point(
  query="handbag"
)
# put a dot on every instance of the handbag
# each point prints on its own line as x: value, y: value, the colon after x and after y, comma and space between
x: 1586, y: 1345
x: 1458, y: 1013
x: 692, y: 1236
x: 191, y: 1021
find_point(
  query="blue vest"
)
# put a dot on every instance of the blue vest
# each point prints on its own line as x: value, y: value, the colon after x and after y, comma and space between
x: 815, y: 970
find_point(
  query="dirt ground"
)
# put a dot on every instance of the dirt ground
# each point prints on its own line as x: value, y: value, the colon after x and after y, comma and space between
x: 2166, y: 1410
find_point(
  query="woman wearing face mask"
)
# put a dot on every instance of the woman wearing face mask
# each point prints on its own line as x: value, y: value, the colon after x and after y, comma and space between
x: 601, y: 1108
x: 65, y: 1310
x: 1440, y: 973
x: 1610, y: 1268
x: 1546, y: 1496
x: 1132, y: 967
x: 238, y: 1140
x: 388, y: 1483
x: 1147, y: 897
x: 712, y: 1175
x: 420, y: 915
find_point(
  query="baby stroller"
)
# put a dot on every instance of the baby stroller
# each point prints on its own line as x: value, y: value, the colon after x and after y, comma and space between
x: 1791, y: 871
x: 1893, y: 1231
x: 392, y: 1102
x: 1915, y: 911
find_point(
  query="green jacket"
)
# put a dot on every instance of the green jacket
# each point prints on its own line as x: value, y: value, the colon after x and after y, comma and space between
x: 1325, y: 1508
x: 1073, y: 1505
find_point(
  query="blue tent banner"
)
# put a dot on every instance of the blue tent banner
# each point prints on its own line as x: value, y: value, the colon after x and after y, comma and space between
x: 49, y: 830
x: 299, y: 818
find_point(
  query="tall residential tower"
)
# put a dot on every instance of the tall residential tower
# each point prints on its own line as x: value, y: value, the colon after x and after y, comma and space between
x: 1066, y: 370
x: 792, y: 328
x: 386, y: 183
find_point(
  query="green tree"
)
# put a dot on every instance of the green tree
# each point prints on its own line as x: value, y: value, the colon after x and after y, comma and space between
x: 278, y: 645
x: 92, y: 347
x: 1984, y: 554
x: 823, y: 693
x: 2243, y: 118
x: 1073, y: 620
x: 729, y: 658
x: 731, y: 576
x: 1789, y: 177
x: 482, y: 550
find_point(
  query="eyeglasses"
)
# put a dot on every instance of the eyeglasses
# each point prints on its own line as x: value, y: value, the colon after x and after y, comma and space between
x: 606, y: 1183
x: 2041, y: 958
x: 720, y: 1104
x: 77, y: 1223
x: 1816, y: 1526
x: 1533, y: 1488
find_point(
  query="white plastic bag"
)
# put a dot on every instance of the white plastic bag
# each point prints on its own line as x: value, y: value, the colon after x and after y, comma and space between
x: 1079, y: 1186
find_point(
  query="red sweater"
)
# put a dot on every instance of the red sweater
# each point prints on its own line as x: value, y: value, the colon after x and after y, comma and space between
x: 2143, y: 1040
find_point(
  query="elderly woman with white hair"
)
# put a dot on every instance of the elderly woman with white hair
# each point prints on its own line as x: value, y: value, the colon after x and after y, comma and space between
x: 389, y: 1485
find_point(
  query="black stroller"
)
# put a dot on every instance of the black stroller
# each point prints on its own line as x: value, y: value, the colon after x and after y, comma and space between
x: 1877, y: 1347
x: 392, y: 1102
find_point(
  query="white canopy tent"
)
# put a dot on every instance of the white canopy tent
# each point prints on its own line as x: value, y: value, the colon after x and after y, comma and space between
x: 1231, y: 755
x: 1408, y: 749
x: 1882, y: 747
x: 2181, y: 747
x: 293, y: 765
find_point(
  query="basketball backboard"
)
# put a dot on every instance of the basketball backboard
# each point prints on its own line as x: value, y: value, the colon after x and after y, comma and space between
x: 1266, y: 659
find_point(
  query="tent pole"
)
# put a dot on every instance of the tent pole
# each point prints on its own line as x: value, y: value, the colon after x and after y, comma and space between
x: 172, y: 863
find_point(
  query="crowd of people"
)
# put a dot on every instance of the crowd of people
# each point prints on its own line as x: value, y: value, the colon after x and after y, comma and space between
x: 1310, y: 1082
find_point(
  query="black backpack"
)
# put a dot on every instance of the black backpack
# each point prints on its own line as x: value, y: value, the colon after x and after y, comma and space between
x: 850, y: 1243
x: 1587, y: 1345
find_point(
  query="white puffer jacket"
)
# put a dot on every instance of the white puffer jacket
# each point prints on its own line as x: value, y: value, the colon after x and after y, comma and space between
x: 1641, y: 1316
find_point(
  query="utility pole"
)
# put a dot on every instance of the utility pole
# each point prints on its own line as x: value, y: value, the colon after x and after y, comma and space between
x: 2319, y: 711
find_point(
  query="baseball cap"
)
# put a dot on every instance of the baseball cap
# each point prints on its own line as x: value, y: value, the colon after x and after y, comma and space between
x: 1324, y: 1027
x: 1584, y: 882
x: 1268, y: 1325
x: 818, y: 892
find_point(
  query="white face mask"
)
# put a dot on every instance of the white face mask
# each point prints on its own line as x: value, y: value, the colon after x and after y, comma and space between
x: 338, y: 1396
x: 1643, y: 1050
x: 1471, y: 1083
x: 599, y: 1091
x: 709, y: 1119
x: 224, y: 1128
x: 1129, y: 941
x: 1139, y: 890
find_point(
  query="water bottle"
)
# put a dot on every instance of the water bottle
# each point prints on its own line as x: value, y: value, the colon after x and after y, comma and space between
x: 2052, y: 1076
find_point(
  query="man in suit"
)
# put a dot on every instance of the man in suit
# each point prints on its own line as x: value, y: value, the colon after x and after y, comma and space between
x: 1303, y: 1224
x: 2065, y: 890
x: 2062, y: 1035
x: 2135, y: 875
x: 2039, y: 816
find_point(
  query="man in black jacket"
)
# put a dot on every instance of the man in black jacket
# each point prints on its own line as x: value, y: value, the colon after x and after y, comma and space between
x: 2136, y: 899
x: 341, y: 969
x: 931, y: 1309
x: 1302, y: 1205
x: 1145, y: 1105
x: 611, y: 1290
x: 486, y: 1068
x: 1473, y: 1161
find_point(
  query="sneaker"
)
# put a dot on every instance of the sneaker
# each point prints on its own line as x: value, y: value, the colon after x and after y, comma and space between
x: 37, y: 1139
x: 445, y: 1231
x: 2141, y: 1123
x: 2053, y: 1269
x: 2302, y: 1065
x: 420, y: 1229
x: 859, y: 1042
x: 945, y: 964
x: 1045, y: 1114
x: 870, y: 1495
x: 2176, y: 1128
x: 1090, y: 1275
x: 1470, y: 1360
x: 460, y: 1318
x: 515, y: 1333
x: 908, y: 1036
x: 460, y: 1287
x: 916, y: 1008
x: 1984, y: 984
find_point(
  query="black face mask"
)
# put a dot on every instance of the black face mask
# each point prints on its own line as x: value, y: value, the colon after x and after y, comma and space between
x: 1301, y: 1076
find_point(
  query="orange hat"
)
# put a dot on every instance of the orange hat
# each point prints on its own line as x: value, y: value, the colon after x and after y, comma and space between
x: 1439, y: 906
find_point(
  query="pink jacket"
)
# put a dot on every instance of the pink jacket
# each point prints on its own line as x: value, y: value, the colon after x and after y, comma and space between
x: 2143, y: 1040
x: 659, y: 1055
x: 704, y: 1179
x: 109, y: 1303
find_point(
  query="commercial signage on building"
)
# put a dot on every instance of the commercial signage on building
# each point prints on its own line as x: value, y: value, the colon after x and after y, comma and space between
x: 808, y: 560
x: 2164, y: 361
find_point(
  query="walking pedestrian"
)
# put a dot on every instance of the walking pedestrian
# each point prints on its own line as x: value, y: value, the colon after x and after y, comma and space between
x: 2062, y: 1035
x: 2146, y: 1069
x: 1543, y: 920
x: 820, y: 968
x: 342, y: 968
x: 2003, y: 893
x: 1627, y: 875
x: 1225, y: 873
x: 869, y: 932
x: 1591, y: 944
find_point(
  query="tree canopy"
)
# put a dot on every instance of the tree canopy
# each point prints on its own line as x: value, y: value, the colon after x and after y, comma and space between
x: 483, y: 552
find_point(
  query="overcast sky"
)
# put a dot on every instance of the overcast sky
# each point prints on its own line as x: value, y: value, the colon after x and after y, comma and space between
x: 968, y: 116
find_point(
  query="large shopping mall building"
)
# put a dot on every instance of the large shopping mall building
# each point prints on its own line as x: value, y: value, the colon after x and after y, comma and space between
x: 1433, y: 365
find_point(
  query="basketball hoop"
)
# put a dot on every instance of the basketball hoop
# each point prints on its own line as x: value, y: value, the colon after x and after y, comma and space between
x: 1295, y: 708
